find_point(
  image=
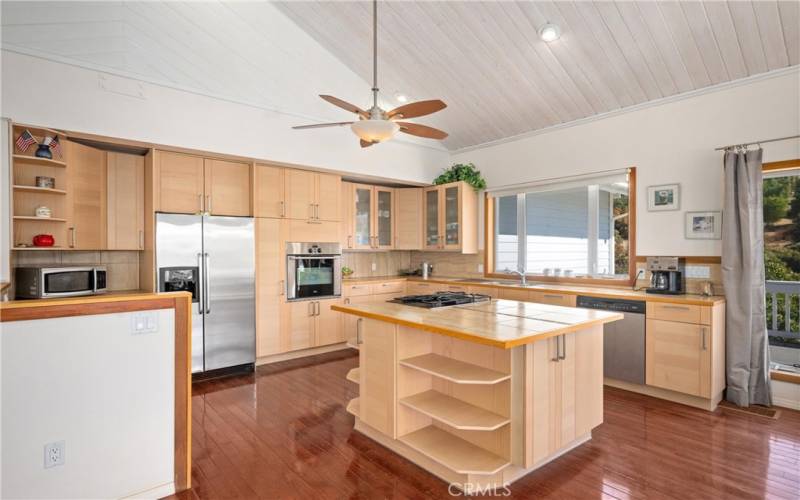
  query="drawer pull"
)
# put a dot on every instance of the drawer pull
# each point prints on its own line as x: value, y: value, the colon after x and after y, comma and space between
x: 549, y: 296
x: 679, y: 308
x: 703, y: 338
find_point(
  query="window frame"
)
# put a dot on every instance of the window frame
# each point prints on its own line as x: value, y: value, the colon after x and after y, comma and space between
x: 489, y: 257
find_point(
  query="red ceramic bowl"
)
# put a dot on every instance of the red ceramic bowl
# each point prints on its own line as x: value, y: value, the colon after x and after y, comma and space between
x: 44, y: 240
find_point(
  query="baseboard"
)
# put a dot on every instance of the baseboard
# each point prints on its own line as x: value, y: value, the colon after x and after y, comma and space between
x: 161, y: 491
x: 675, y: 397
x: 286, y: 356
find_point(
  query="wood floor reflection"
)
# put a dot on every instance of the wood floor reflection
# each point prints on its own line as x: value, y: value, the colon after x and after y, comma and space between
x: 283, y: 432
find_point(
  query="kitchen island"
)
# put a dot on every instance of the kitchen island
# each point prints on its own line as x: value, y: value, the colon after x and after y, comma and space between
x: 478, y: 394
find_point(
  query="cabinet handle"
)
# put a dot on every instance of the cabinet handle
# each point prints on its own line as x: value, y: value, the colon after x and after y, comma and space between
x: 316, y: 211
x: 359, y: 321
x: 563, y: 347
x: 703, y: 338
x: 208, y: 203
x: 283, y: 208
x: 311, y: 308
x: 311, y: 211
x: 199, y: 203
x: 141, y: 239
x: 281, y: 285
x: 349, y: 241
x: 319, y: 309
x: 680, y: 308
x: 72, y: 239
x: 558, y: 350
x: 347, y: 300
x: 553, y: 296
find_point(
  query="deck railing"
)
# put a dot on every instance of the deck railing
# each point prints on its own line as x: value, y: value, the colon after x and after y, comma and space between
x: 783, y: 310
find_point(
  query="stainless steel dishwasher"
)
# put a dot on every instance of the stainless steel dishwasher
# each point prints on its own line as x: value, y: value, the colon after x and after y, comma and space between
x: 624, y: 340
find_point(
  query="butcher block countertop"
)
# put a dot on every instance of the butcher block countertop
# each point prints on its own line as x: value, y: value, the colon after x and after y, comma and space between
x: 498, y: 323
x: 590, y: 291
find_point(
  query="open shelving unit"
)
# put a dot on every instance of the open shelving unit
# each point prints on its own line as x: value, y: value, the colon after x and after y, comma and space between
x: 27, y: 196
x: 454, y: 453
x: 353, y: 407
x: 453, y: 370
x: 454, y: 412
x: 354, y: 376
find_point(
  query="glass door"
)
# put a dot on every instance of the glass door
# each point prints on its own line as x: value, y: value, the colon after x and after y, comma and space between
x: 362, y: 217
x: 432, y: 218
x: 452, y: 224
x: 384, y: 218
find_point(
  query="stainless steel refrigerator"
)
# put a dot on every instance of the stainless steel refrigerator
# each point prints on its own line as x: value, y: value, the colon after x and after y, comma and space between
x: 214, y: 258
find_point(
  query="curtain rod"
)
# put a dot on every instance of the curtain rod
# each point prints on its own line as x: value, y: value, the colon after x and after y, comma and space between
x: 757, y: 142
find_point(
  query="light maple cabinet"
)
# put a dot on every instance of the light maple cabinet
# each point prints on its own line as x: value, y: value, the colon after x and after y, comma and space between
x: 364, y: 293
x: 408, y: 219
x: 269, y: 191
x: 370, y: 219
x: 125, y: 201
x: 227, y: 187
x: 318, y: 231
x: 311, y: 323
x: 86, y: 198
x: 377, y: 375
x: 684, y: 348
x: 270, y: 285
x: 450, y: 218
x: 312, y: 196
x: 567, y: 397
x: 553, y: 298
x: 192, y: 184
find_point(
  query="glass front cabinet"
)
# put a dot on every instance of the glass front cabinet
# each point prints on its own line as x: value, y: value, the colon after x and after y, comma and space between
x: 450, y: 215
x: 371, y: 218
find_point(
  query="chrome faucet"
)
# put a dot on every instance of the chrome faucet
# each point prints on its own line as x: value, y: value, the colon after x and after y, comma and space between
x: 523, y: 280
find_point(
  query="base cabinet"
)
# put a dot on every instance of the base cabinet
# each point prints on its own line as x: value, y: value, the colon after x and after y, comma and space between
x: 678, y: 357
x: 377, y: 366
x: 311, y: 323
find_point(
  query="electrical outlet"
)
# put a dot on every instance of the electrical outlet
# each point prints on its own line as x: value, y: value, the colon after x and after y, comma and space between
x: 374, y: 266
x: 480, y: 268
x: 54, y: 454
x: 145, y: 322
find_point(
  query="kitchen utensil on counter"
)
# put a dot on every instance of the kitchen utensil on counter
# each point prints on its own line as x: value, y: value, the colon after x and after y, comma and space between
x: 45, y: 182
x: 666, y: 275
x: 43, y: 212
x: 427, y: 269
x: 707, y: 288
x: 44, y: 240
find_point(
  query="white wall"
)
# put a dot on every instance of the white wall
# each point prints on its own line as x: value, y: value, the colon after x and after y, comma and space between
x: 672, y: 142
x: 106, y: 392
x: 48, y: 93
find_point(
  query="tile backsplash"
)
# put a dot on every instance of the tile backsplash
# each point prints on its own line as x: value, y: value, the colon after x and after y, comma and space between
x: 122, y: 266
x: 693, y: 285
x: 447, y: 264
x: 367, y: 264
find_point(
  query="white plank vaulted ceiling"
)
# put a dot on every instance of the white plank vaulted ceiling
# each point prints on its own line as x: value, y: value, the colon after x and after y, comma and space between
x: 484, y: 59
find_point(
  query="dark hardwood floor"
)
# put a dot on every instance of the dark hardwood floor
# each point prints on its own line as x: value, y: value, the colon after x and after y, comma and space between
x: 284, y: 433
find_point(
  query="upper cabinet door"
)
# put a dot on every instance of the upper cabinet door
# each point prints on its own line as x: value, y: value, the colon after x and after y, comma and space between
x: 227, y: 188
x: 451, y: 217
x: 348, y: 205
x: 384, y: 218
x: 125, y: 195
x: 362, y: 216
x: 431, y: 214
x: 180, y: 183
x: 270, y: 201
x: 87, y: 179
x: 300, y: 193
x: 328, y: 197
x: 408, y: 219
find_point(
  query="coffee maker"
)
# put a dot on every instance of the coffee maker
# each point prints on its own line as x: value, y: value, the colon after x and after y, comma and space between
x: 667, y: 275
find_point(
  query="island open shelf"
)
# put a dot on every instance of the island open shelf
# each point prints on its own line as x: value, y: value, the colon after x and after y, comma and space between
x: 482, y: 394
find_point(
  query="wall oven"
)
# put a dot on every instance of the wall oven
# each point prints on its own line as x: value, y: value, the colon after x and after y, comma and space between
x: 313, y: 270
x: 42, y: 282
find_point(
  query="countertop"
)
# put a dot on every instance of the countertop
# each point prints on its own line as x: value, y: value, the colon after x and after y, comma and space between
x: 591, y: 291
x: 499, y: 323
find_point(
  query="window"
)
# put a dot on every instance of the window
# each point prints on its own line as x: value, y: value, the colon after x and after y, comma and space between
x: 575, y: 228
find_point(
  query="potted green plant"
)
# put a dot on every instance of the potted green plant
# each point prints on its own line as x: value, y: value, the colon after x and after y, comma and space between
x: 462, y: 172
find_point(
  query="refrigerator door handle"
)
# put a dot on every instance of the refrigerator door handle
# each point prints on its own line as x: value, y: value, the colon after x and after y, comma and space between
x: 201, y: 292
x: 205, y: 281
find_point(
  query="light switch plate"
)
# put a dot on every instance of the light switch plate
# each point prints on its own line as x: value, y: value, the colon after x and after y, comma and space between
x: 698, y: 272
x: 144, y: 322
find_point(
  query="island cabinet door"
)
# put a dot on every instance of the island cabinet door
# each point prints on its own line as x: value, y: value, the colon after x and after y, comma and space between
x: 350, y: 322
x: 328, y: 323
x: 377, y: 363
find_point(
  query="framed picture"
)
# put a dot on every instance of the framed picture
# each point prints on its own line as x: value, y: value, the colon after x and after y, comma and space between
x: 704, y: 225
x: 665, y: 197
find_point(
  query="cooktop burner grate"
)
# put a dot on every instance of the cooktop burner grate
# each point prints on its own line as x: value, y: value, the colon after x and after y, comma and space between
x: 441, y: 299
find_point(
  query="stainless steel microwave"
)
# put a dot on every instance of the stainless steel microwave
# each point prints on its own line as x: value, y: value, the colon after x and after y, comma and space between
x: 42, y: 282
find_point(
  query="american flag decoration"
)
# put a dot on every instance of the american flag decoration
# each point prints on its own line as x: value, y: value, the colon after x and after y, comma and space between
x: 25, y: 140
x: 55, y: 146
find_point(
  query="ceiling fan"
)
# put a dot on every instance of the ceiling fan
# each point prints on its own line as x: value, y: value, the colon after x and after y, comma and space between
x: 376, y: 125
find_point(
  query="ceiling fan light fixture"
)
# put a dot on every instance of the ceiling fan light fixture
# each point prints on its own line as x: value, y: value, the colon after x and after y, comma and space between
x: 375, y: 130
x: 401, y: 98
x: 549, y: 32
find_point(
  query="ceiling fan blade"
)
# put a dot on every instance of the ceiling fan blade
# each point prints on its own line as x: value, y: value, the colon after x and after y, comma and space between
x: 366, y: 144
x: 345, y: 105
x: 415, y: 109
x: 421, y: 130
x: 320, y: 125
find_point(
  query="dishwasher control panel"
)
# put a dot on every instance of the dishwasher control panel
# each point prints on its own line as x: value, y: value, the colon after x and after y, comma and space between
x: 616, y: 305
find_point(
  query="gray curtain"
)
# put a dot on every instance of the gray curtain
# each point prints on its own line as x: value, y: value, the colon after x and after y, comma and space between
x: 747, y: 349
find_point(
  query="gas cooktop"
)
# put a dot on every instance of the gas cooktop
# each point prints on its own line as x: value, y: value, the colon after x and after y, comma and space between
x: 441, y: 299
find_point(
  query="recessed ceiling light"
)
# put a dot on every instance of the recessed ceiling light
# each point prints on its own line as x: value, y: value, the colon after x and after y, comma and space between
x: 401, y: 98
x: 549, y: 32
